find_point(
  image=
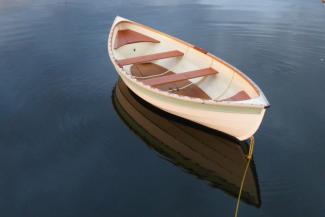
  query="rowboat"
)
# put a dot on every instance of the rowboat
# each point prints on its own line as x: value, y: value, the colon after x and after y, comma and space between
x: 185, y: 80
x: 210, y: 156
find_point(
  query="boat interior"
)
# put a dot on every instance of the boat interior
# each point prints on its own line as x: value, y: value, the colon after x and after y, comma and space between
x: 172, y: 65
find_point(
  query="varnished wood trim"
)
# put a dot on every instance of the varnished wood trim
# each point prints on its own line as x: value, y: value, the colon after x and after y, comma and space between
x: 200, y: 49
x: 240, y: 96
x: 128, y: 36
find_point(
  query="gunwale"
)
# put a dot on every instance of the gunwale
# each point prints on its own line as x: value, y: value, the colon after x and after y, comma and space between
x: 258, y: 102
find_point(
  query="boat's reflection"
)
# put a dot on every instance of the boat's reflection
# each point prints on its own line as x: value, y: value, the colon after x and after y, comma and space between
x: 200, y: 151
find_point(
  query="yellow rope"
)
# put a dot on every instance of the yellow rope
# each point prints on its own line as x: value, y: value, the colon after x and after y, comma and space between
x: 249, y: 158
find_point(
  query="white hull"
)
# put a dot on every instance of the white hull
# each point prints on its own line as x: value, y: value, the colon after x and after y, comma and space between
x: 238, y: 122
x: 238, y: 119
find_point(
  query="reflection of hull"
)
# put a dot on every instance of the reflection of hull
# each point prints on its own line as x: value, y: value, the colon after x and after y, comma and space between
x: 201, y: 151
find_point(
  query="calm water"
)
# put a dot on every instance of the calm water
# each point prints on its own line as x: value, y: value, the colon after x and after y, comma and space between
x: 65, y: 149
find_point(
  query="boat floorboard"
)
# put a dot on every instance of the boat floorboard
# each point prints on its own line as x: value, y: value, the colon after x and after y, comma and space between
x: 148, y: 69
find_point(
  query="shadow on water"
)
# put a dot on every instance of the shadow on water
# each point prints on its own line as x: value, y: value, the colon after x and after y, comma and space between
x: 202, y: 152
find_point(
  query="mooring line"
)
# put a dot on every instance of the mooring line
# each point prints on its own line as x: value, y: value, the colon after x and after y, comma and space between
x: 249, y: 158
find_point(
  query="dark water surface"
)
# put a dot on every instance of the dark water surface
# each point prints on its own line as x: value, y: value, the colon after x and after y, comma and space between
x: 65, y: 149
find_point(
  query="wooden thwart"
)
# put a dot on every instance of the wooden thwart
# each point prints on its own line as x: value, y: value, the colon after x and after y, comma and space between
x: 127, y: 36
x: 148, y: 69
x: 149, y: 58
x: 179, y: 77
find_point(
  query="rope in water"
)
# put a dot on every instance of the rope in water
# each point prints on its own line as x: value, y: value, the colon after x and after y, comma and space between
x: 249, y: 158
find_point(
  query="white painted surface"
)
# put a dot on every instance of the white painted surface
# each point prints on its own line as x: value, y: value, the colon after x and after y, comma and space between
x: 240, y: 119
